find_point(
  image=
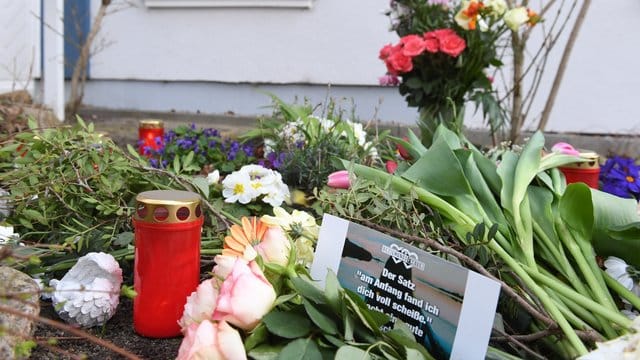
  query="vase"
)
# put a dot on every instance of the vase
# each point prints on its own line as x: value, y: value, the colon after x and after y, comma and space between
x: 449, y: 114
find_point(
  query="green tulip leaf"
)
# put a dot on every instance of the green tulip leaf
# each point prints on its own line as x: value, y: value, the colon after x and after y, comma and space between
x: 615, y: 219
x: 576, y: 210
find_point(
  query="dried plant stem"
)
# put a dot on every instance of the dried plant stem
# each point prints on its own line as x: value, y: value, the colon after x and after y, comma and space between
x: 563, y: 65
x: 71, y: 330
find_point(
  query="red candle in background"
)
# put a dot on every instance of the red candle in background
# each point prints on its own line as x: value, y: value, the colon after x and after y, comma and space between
x: 587, y: 172
x: 166, y: 270
x: 148, y: 132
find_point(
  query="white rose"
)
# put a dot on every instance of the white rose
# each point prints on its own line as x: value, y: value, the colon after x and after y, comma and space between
x: 515, y: 18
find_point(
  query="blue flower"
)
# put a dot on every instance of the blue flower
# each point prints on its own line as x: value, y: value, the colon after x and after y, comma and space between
x: 621, y: 176
x: 211, y: 132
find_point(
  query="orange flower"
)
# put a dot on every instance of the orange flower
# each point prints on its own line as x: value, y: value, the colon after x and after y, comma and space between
x: 534, y: 18
x: 242, y: 239
x: 467, y: 17
x: 256, y: 237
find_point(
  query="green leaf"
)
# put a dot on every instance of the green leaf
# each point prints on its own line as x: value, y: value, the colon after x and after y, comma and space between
x: 256, y: 337
x: 576, y: 209
x: 176, y: 165
x: 187, y: 160
x: 612, y: 214
x: 202, y: 184
x: 332, y: 291
x: 288, y: 325
x: 34, y: 215
x: 302, y: 349
x: 265, y: 352
x: 414, y: 83
x: 324, y: 322
x: 308, y: 290
x: 348, y: 352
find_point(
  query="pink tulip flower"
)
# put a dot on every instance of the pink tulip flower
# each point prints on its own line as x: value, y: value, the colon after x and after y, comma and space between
x: 565, y: 148
x: 339, y: 180
x: 200, y: 304
x: 391, y: 166
x: 213, y: 341
x: 245, y: 296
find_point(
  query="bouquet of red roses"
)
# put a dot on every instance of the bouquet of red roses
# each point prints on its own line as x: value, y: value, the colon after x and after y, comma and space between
x: 444, y: 53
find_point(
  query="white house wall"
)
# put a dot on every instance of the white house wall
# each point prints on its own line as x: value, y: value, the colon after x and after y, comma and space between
x: 213, y: 60
x: 20, y: 44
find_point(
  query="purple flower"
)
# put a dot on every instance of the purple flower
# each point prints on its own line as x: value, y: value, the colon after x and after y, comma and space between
x: 621, y: 176
x: 211, y: 132
x: 389, y: 80
x: 153, y: 163
x: 248, y: 150
x: 212, y: 143
x: 276, y: 160
x: 233, y: 150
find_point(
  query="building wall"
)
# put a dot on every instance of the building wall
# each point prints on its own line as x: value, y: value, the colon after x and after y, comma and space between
x: 217, y: 60
x: 20, y: 44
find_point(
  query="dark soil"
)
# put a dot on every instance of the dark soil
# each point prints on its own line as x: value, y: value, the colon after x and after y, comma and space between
x: 119, y: 331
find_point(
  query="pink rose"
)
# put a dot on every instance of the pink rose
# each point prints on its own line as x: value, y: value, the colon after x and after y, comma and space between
x: 214, y: 341
x: 339, y: 180
x: 224, y: 265
x: 245, y: 296
x: 452, y: 44
x: 565, y: 148
x: 385, y: 52
x: 431, y: 42
x: 412, y: 45
x: 274, y: 247
x: 200, y: 304
x: 400, y: 63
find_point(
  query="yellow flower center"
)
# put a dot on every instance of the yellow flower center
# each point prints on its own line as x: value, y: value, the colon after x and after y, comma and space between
x: 238, y: 189
x: 630, y: 178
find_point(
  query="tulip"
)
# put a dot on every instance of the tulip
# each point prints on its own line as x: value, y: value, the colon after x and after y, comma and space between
x: 402, y: 151
x: 339, y: 180
x: 245, y: 296
x: 391, y: 166
x: 200, y: 304
x: 212, y: 341
x: 565, y: 148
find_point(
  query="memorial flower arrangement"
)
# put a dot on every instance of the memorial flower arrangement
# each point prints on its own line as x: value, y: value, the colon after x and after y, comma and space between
x: 445, y: 53
x: 261, y: 302
x: 522, y: 214
x: 303, y: 143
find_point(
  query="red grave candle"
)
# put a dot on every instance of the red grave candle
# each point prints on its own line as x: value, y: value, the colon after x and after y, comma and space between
x: 148, y: 132
x: 587, y: 172
x: 167, y: 226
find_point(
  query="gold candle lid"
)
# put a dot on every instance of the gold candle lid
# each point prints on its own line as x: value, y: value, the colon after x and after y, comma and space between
x: 591, y: 161
x: 168, y: 206
x: 150, y: 124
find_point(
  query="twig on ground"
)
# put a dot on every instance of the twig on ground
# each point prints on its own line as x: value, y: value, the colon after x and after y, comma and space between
x: 96, y: 340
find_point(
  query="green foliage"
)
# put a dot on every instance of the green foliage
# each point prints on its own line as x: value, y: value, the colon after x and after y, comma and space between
x: 303, y: 144
x: 191, y: 150
x: 375, y: 203
x: 335, y: 323
x: 72, y: 192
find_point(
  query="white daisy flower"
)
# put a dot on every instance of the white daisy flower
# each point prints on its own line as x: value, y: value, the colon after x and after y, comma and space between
x: 237, y: 187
